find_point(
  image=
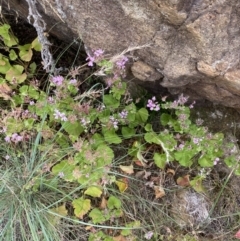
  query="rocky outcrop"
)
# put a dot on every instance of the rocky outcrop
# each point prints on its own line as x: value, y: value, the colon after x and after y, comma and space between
x: 194, y: 45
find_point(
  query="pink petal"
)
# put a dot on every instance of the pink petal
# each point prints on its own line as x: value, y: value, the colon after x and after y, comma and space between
x: 237, y: 235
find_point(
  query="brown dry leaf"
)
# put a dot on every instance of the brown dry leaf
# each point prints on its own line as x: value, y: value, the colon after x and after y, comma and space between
x: 91, y: 229
x: 159, y: 192
x: 183, y: 181
x: 119, y: 238
x: 143, y: 174
x: 139, y: 174
x: 127, y: 169
x: 5, y: 91
x: 171, y: 171
x: 103, y: 203
x: 155, y: 179
x: 139, y: 163
x: 147, y: 174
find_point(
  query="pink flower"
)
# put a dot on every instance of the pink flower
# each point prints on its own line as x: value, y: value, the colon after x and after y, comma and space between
x: 121, y: 63
x: 153, y: 104
x: 57, y: 80
x: 237, y: 235
x: 59, y: 115
x: 73, y: 81
x: 98, y: 52
x: 7, y: 139
x: 90, y: 59
x: 96, y: 56
x: 148, y: 235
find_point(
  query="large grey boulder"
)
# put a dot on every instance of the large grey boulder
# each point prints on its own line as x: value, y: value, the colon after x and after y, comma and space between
x: 194, y: 44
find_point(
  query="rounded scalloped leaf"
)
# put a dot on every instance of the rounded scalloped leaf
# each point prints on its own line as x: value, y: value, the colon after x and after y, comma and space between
x: 111, y: 137
x: 128, y: 132
x: 15, y: 73
x: 114, y: 202
x: 4, y: 64
x: 142, y: 115
x: 8, y: 39
x: 65, y: 169
x: 94, y: 191
x: 12, y: 55
x: 81, y: 207
x: 74, y: 129
x: 106, y: 153
x: 36, y: 45
x: 160, y: 160
x: 25, y: 52
x: 97, y: 216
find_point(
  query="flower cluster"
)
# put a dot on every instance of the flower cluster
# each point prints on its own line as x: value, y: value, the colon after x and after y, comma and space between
x: 85, y: 123
x: 15, y: 138
x: 57, y: 80
x: 197, y: 140
x: 123, y: 114
x: 73, y: 82
x: 153, y: 104
x: 114, y: 122
x: 96, y: 55
x: 122, y: 62
x: 58, y: 115
x: 148, y: 235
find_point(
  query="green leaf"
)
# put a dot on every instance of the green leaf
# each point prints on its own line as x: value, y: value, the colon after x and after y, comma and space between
x: 4, y: 64
x: 114, y: 202
x: 81, y: 207
x: 12, y: 55
x: 28, y: 123
x: 134, y: 224
x: 4, y: 31
x: 74, y: 129
x: 197, y: 185
x: 142, y: 115
x: 160, y: 160
x: 205, y: 161
x: 65, y: 168
x: 36, y: 45
x: 151, y: 137
x: 118, y: 89
x: 24, y: 90
x: 33, y: 93
x: 32, y: 68
x: 97, y: 140
x: 93, y: 191
x: 25, y: 52
x: 184, y: 157
x: 128, y: 132
x: 111, y: 137
x: 97, y: 216
x: 105, y: 153
x: 8, y: 39
x: 110, y: 102
x: 14, y: 125
x: 62, y: 140
x: 15, y: 72
x: 230, y: 161
x: 148, y: 127
x: 165, y: 118
x: 237, y: 171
